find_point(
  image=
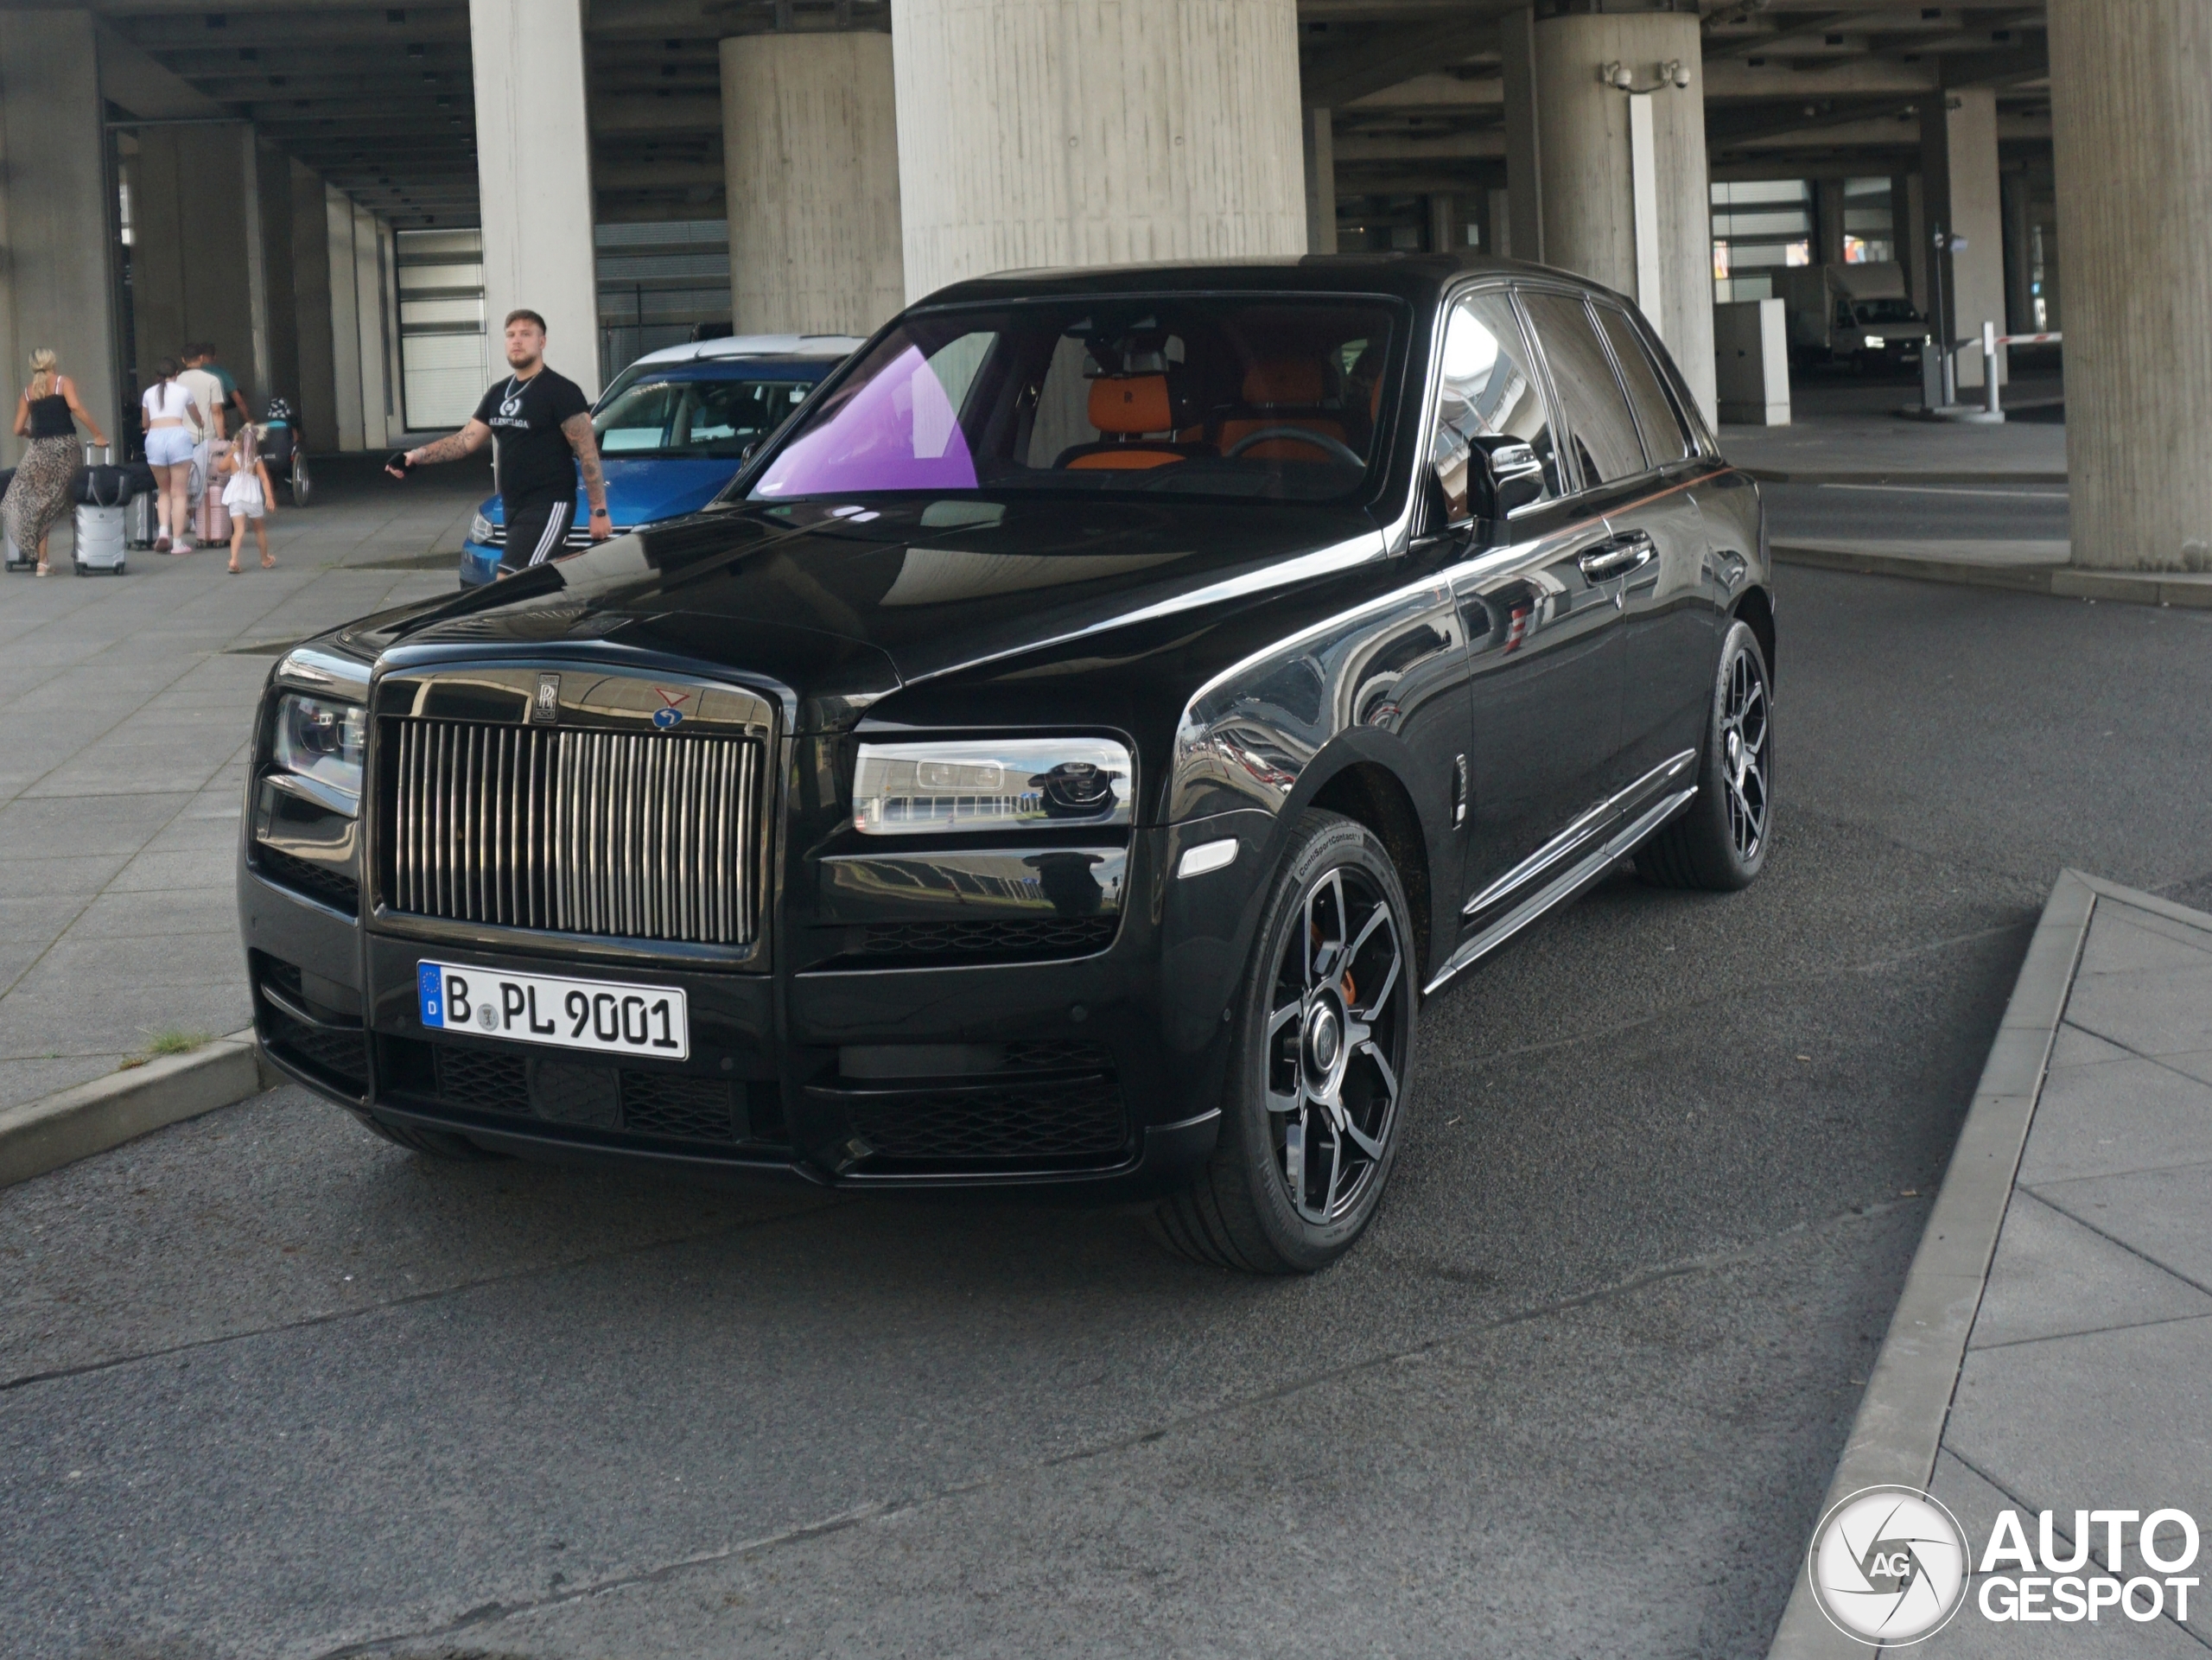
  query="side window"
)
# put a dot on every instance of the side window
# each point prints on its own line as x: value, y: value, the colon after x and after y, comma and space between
x: 1490, y: 395
x: 1664, y: 441
x: 1596, y: 411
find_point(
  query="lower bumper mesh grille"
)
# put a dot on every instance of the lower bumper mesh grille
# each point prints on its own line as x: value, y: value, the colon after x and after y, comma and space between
x: 1007, y: 939
x: 626, y: 1099
x: 1079, y: 1119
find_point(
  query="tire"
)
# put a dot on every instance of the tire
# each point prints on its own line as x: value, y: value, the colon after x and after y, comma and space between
x: 1315, y: 1075
x: 1720, y: 842
x: 442, y: 1144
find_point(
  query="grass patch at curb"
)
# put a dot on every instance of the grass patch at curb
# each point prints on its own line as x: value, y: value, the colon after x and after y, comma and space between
x: 170, y: 1040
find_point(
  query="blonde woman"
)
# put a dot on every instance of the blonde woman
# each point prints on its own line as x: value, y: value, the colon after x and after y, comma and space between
x: 173, y: 431
x: 47, y: 414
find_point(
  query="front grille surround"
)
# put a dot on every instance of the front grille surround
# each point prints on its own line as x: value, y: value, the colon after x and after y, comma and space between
x: 640, y: 836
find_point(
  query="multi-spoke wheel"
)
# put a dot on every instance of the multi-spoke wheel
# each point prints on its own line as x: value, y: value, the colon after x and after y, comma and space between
x: 1720, y: 841
x: 1324, y: 1045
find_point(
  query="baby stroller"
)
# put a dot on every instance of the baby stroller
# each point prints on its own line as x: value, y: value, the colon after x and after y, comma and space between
x: 281, y: 448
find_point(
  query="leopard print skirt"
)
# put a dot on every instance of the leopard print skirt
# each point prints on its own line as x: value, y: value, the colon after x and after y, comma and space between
x: 40, y: 491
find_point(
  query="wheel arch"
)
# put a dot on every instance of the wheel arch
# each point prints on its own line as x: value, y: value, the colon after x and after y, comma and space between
x: 1371, y: 793
x: 1756, y: 609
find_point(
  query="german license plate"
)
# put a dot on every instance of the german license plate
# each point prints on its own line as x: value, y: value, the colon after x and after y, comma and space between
x: 548, y: 1008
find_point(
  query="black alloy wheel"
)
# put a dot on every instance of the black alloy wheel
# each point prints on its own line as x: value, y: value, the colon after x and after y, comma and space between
x: 1320, y: 1065
x: 1720, y: 841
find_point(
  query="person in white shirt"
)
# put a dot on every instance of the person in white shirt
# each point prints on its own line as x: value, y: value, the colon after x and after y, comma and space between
x: 173, y: 431
x: 206, y: 389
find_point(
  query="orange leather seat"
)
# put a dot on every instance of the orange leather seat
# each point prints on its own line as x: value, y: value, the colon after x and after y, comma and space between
x: 1126, y: 408
x: 1284, y: 392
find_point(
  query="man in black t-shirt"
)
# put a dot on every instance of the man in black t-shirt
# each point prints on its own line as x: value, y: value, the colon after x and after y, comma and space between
x: 542, y: 424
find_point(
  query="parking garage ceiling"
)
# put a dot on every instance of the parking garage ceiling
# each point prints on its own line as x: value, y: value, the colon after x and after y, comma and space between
x: 378, y: 99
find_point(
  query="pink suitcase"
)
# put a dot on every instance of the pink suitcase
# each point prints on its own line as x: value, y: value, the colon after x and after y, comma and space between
x: 212, y: 523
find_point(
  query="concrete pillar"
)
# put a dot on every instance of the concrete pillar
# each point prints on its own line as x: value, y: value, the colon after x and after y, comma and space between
x: 57, y: 201
x: 2019, y: 261
x: 2131, y: 136
x: 533, y: 174
x: 1523, y: 231
x: 370, y: 290
x: 1828, y: 220
x: 811, y: 164
x: 280, y: 300
x: 1911, y: 213
x: 1958, y: 162
x: 316, y: 404
x: 194, y: 237
x: 1591, y: 215
x: 345, y: 320
x: 1444, y: 233
x: 1500, y: 245
x: 1066, y: 132
x: 1320, y: 180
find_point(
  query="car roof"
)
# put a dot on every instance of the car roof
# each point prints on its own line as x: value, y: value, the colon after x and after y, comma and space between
x: 834, y: 347
x: 745, y: 368
x: 1416, y: 278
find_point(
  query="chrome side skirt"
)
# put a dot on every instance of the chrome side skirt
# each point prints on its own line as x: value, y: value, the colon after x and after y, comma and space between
x: 1584, y: 874
x: 1571, y: 839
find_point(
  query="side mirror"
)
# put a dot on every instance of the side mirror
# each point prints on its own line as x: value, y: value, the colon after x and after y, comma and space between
x: 1515, y: 477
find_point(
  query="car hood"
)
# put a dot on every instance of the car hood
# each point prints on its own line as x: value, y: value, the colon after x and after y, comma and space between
x: 839, y: 604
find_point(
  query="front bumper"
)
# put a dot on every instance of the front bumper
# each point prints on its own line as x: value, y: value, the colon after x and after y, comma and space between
x: 1097, y: 1075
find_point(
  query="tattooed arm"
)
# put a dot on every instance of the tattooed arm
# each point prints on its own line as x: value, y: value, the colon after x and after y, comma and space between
x: 470, y: 439
x: 577, y: 431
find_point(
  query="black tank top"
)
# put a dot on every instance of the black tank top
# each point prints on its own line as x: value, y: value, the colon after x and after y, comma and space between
x: 50, y: 418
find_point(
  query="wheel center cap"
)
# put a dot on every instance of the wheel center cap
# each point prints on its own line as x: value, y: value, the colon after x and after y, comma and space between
x: 1324, y: 1037
x: 1735, y: 749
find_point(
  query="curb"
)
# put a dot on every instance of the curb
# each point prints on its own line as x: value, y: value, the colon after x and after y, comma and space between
x: 1776, y: 475
x: 2060, y: 581
x: 1908, y: 1399
x: 45, y: 1135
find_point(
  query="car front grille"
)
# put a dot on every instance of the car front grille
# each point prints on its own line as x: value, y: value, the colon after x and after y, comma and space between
x: 627, y: 834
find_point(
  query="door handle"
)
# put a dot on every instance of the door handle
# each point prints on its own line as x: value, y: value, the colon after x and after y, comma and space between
x: 1618, y: 557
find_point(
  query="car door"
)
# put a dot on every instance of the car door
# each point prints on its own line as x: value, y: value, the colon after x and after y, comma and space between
x: 1543, y: 663
x: 1653, y: 532
x: 1670, y: 613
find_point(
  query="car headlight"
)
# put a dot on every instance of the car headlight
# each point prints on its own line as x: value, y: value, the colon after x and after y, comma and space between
x: 479, y: 530
x: 1875, y: 342
x: 321, y: 739
x: 914, y: 789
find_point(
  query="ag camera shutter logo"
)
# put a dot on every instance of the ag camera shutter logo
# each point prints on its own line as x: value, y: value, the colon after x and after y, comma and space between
x: 1888, y: 1566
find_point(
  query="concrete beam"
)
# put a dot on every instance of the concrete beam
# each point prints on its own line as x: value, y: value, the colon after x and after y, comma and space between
x: 295, y: 25
x: 1336, y: 76
x: 1438, y: 92
x: 688, y: 111
x: 133, y: 80
x: 1730, y: 81
x: 1482, y: 143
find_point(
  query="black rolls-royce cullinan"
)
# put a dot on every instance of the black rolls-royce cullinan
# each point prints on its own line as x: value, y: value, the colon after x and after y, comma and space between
x: 1066, y: 756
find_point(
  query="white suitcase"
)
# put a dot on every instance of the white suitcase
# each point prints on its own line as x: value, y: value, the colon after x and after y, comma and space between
x: 99, y: 522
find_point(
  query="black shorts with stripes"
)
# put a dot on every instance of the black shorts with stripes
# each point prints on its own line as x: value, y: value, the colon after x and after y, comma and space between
x: 535, y: 530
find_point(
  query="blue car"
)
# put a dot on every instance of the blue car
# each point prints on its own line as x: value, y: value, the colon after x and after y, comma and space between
x: 675, y: 427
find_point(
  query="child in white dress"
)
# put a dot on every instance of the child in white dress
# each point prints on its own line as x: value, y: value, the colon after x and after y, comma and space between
x: 248, y: 496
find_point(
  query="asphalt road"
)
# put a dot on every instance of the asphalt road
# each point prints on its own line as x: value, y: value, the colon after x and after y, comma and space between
x: 270, y: 1387
x: 1928, y: 512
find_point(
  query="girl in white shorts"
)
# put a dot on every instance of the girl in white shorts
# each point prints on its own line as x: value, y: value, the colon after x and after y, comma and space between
x: 172, y: 434
x: 247, y: 495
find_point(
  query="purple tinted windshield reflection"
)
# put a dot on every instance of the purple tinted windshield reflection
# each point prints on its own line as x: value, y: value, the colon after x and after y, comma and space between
x: 897, y: 431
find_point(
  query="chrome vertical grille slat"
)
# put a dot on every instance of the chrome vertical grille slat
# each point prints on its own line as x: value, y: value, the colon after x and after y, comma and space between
x: 578, y: 831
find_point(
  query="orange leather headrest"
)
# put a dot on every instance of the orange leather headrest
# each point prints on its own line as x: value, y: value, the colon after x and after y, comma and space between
x: 1131, y: 404
x: 1284, y: 381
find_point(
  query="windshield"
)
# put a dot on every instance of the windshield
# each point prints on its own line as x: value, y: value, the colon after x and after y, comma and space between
x: 662, y: 415
x: 1887, y: 311
x: 1202, y: 395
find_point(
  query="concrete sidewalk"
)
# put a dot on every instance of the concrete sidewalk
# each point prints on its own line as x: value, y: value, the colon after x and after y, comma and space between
x: 1849, y: 430
x: 2084, y: 1380
x: 124, y: 705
